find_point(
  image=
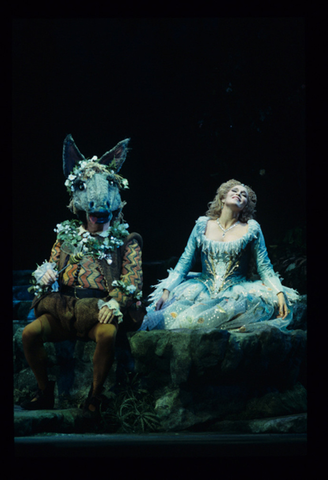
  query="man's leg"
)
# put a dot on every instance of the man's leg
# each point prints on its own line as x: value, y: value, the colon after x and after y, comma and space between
x: 43, y: 329
x: 104, y: 334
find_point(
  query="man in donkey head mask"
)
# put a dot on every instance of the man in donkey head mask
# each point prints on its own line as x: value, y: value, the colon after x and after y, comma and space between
x: 93, y: 279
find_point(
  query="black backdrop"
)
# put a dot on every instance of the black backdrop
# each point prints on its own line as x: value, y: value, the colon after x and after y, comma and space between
x: 202, y: 99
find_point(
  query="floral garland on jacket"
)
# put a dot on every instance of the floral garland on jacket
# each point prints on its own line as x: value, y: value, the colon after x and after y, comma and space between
x: 81, y: 243
x: 72, y: 235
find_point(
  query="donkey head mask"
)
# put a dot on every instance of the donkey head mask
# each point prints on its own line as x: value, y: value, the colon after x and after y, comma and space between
x: 94, y: 184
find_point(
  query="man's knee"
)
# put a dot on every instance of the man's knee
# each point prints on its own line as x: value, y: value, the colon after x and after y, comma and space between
x: 32, y: 332
x: 105, y: 333
x: 43, y: 329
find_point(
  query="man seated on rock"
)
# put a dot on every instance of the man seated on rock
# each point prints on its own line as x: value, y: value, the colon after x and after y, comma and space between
x: 93, y: 279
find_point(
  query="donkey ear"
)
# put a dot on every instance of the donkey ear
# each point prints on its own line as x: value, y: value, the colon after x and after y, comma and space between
x: 71, y: 155
x: 116, y: 156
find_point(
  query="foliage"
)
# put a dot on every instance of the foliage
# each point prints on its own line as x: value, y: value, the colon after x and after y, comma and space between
x: 127, y: 288
x: 71, y: 233
x: 294, y: 239
x: 132, y: 410
x: 288, y: 256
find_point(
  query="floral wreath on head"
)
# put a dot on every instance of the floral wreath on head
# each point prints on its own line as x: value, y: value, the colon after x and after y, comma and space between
x: 87, y: 168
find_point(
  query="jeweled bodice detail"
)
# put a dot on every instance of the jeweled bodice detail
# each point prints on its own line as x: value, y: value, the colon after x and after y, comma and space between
x: 220, y: 271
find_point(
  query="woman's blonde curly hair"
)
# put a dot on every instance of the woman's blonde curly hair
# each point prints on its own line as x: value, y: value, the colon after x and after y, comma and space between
x: 215, y: 207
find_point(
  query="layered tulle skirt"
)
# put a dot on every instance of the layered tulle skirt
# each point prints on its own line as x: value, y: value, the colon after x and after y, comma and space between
x: 243, y: 306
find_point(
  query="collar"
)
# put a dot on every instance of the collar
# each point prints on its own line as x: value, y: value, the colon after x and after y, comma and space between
x: 100, y: 234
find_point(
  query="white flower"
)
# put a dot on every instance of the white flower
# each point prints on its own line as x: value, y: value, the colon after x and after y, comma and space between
x: 58, y: 228
x: 131, y: 288
x: 71, y: 177
x: 94, y: 158
x: 67, y: 183
x: 83, y: 164
x: 114, y: 283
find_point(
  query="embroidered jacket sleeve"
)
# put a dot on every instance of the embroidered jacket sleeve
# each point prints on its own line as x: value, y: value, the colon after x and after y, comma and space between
x: 55, y: 252
x: 263, y: 264
x: 131, y: 275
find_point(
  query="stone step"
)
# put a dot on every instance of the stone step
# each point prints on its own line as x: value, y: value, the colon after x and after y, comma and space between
x: 21, y: 277
x: 22, y: 311
x: 71, y: 420
x: 164, y: 445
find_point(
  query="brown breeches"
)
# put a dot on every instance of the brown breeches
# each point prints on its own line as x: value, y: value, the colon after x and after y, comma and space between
x: 77, y: 316
x: 61, y: 317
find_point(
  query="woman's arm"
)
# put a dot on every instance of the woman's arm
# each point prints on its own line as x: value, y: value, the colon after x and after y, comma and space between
x: 163, y: 299
x: 181, y: 269
x: 267, y: 274
x: 264, y: 265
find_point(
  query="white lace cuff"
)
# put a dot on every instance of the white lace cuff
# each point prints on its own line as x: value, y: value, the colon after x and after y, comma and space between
x: 41, y: 270
x: 112, y: 305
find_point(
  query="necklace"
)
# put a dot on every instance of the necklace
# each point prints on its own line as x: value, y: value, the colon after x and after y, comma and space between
x: 225, y: 230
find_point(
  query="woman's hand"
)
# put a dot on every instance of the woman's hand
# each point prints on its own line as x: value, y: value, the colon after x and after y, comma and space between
x: 106, y: 315
x: 162, y: 300
x: 49, y: 277
x: 283, y: 309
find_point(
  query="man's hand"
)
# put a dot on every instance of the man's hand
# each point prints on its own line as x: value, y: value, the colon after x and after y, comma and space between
x: 106, y: 315
x: 49, y: 277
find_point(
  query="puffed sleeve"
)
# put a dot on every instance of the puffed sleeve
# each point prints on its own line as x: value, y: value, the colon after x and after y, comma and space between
x: 264, y: 265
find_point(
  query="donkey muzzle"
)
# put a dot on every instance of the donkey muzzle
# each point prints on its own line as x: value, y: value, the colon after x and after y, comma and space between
x: 100, y: 216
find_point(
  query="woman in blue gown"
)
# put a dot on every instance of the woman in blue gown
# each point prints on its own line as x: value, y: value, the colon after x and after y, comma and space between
x: 225, y: 294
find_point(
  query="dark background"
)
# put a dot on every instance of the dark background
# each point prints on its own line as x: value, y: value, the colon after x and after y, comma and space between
x: 202, y: 99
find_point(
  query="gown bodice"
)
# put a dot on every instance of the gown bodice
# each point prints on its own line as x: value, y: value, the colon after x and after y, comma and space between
x: 224, y: 264
x: 222, y: 269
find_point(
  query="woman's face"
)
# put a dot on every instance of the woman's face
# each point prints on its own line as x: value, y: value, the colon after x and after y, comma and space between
x: 237, y: 197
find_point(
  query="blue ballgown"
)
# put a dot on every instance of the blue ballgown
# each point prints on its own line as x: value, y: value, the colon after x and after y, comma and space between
x: 224, y: 295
